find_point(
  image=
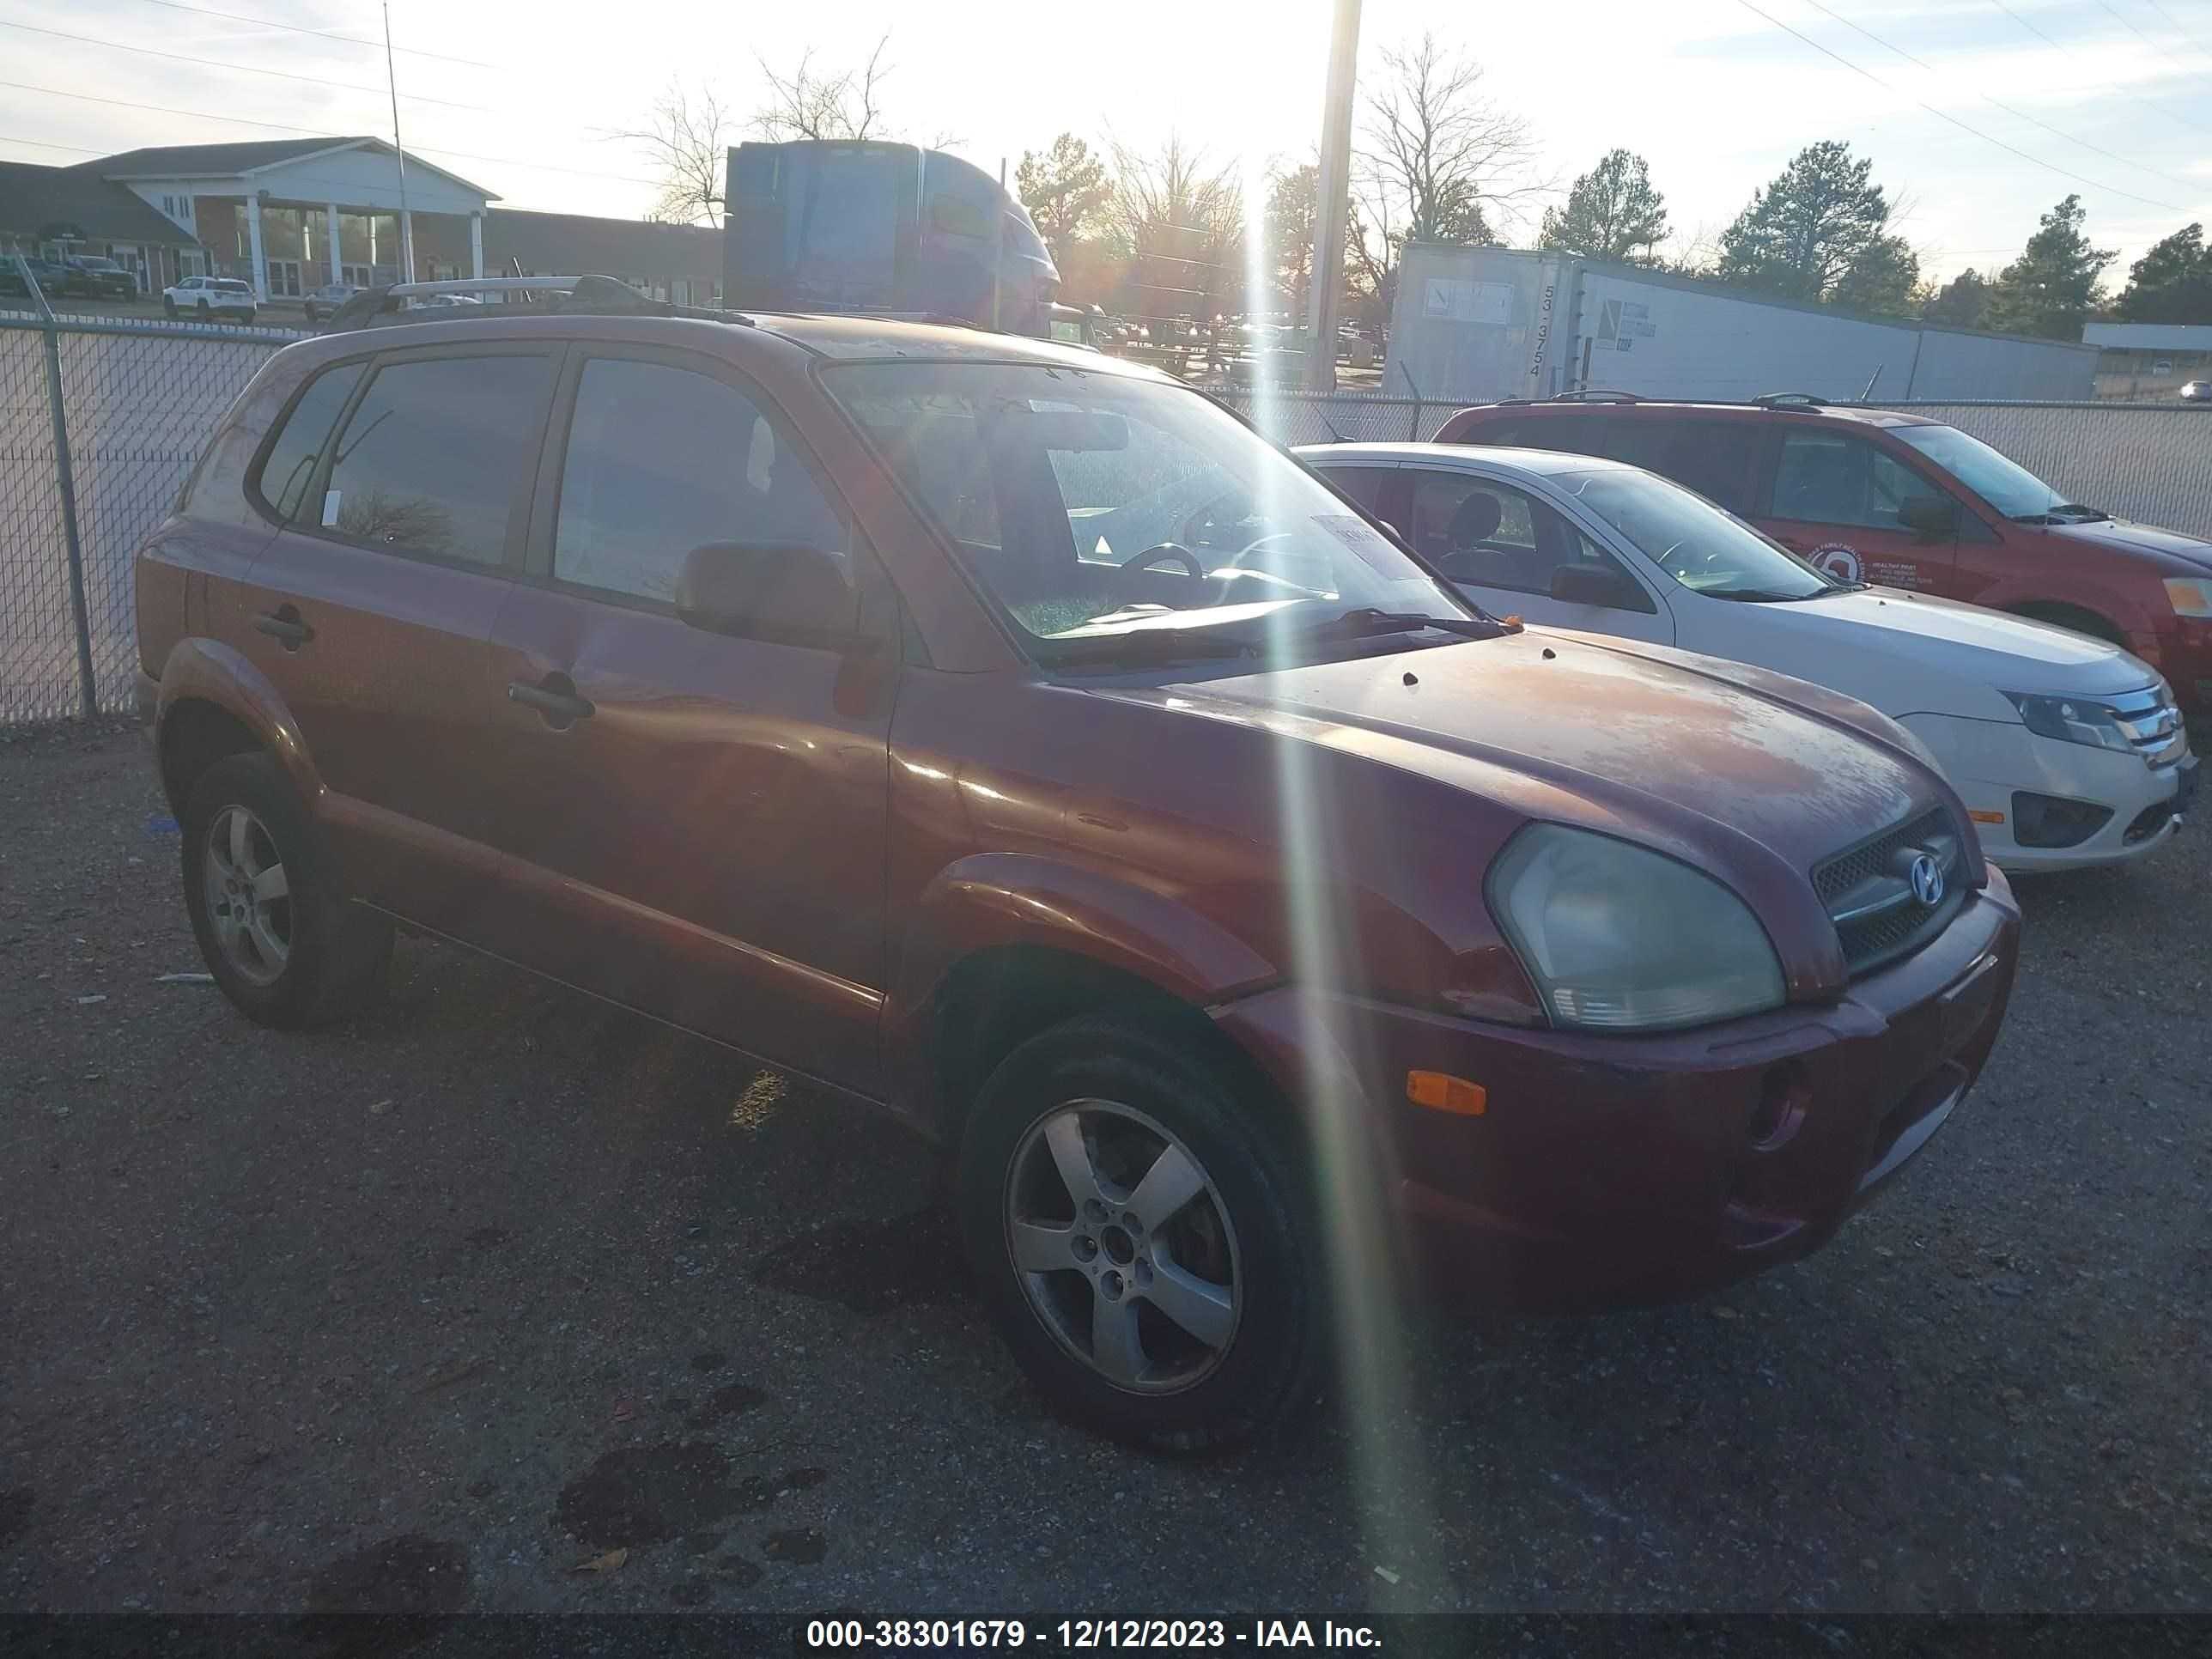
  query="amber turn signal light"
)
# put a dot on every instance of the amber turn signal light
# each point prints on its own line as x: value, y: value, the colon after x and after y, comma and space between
x: 1441, y: 1092
x: 1986, y: 818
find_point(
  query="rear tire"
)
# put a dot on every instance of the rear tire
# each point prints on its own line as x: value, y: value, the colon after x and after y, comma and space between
x: 1179, y: 1303
x: 273, y: 923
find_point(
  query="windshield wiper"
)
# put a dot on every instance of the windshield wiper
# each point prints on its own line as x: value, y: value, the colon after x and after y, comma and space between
x: 2064, y: 512
x: 1754, y: 595
x: 1140, y: 647
x: 1364, y: 621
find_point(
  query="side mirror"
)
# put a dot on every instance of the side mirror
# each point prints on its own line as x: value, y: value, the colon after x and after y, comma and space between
x: 1588, y: 582
x: 1932, y: 515
x: 797, y: 595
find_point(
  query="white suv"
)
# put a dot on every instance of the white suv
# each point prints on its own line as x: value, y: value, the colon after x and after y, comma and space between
x: 209, y: 296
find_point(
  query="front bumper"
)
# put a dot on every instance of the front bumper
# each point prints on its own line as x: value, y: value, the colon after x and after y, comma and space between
x: 1611, y: 1171
x: 1988, y: 761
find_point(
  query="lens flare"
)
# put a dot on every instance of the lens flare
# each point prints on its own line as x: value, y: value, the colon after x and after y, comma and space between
x: 1352, y: 1176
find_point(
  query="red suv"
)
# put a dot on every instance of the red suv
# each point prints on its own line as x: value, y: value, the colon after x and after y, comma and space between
x: 1006, y: 735
x: 1901, y: 502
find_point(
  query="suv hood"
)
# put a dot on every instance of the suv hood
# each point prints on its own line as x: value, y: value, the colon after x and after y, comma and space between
x: 1886, y: 643
x: 2185, y: 556
x: 1659, y: 744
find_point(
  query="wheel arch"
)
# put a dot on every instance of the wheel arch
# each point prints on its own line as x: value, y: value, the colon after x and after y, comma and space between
x: 1004, y: 945
x: 214, y: 702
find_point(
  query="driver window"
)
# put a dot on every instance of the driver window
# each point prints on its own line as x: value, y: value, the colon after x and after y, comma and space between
x: 1487, y: 534
x: 1829, y: 477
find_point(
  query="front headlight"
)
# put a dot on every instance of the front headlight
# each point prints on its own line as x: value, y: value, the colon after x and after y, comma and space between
x: 1619, y: 938
x: 2190, y: 596
x: 2071, y: 719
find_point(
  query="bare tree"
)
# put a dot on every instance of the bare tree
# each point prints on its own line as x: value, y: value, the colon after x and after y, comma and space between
x: 808, y: 104
x: 688, y: 142
x: 1438, y: 157
x: 691, y: 133
x: 1182, y: 221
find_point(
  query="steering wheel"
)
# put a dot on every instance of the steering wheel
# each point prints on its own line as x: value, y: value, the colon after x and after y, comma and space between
x: 1160, y: 554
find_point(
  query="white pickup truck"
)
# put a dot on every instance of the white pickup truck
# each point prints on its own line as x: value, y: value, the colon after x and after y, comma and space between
x: 210, y: 296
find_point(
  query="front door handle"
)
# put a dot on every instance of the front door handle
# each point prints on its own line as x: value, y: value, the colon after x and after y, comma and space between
x: 557, y: 700
x: 283, y: 625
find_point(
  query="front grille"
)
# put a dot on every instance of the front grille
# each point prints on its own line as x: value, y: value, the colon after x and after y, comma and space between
x: 2151, y: 722
x: 1871, y: 899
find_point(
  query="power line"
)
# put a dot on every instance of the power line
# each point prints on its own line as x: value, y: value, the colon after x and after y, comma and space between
x: 309, y: 132
x: 40, y: 143
x: 2020, y: 114
x: 2177, y: 28
x: 2128, y: 25
x: 242, y: 68
x: 1953, y: 119
x: 2061, y: 49
x: 326, y: 34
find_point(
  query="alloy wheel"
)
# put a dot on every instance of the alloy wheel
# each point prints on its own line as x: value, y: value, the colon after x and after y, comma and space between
x: 249, y: 897
x: 1123, y: 1247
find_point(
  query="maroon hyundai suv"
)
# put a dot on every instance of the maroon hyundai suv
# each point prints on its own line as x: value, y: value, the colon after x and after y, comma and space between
x: 1007, y: 735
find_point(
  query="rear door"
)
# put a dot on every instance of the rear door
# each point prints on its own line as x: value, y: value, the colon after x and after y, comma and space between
x: 1504, y: 547
x: 400, y: 484
x: 698, y: 828
x: 1838, y: 501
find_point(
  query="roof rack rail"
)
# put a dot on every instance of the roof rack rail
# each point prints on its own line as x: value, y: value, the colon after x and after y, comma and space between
x: 1595, y: 394
x: 591, y: 295
x: 1791, y: 400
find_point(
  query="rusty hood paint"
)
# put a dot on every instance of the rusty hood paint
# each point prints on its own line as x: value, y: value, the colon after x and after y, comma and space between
x: 1704, y: 758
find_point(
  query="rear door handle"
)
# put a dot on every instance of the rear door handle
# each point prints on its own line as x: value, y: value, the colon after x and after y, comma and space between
x: 283, y: 625
x: 562, y: 708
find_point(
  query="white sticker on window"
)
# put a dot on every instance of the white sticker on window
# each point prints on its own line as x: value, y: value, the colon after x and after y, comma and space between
x: 1363, y: 539
x: 331, y: 508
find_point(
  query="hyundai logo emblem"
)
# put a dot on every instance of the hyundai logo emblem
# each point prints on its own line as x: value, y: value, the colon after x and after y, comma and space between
x: 1927, y: 877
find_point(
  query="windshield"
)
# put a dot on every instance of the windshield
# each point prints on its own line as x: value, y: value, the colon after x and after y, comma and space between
x: 2004, y: 484
x: 98, y: 265
x: 1093, y: 506
x: 1706, y: 549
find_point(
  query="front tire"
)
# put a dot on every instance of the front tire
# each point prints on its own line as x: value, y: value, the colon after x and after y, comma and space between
x: 168, y: 307
x: 1138, y: 1225
x: 274, y: 928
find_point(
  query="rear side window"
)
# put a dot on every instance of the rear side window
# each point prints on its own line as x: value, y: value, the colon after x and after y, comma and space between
x: 288, y: 471
x: 1717, y: 458
x: 661, y: 460
x: 432, y: 459
x: 1832, y: 478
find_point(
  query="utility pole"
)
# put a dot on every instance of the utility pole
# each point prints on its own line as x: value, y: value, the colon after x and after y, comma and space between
x: 1331, y: 202
x: 406, y: 219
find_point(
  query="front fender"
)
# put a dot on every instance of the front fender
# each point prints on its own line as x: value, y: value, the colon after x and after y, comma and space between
x: 990, y: 901
x: 208, y: 671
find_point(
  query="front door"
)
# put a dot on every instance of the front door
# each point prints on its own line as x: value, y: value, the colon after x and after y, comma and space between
x: 702, y: 816
x: 370, y: 609
x: 1504, y: 548
x: 1840, y: 502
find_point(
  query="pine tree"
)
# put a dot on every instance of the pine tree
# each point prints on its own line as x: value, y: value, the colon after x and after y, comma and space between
x: 2171, y: 283
x: 2052, y: 287
x: 1611, y: 212
x: 1066, y: 190
x: 1803, y: 231
x: 1962, y: 302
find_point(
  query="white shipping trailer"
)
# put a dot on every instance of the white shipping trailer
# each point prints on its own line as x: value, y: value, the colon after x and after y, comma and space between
x: 1476, y: 324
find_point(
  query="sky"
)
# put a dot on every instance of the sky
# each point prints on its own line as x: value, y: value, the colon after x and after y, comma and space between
x: 531, y: 101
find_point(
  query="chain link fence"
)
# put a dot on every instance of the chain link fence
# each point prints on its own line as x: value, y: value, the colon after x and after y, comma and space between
x: 137, y: 401
x: 2144, y: 461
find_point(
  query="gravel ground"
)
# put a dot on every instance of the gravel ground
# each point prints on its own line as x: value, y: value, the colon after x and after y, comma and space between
x: 436, y: 1309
